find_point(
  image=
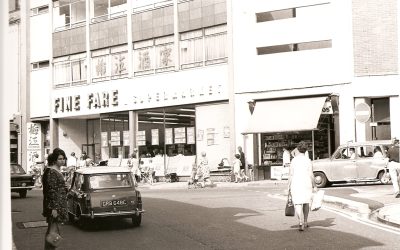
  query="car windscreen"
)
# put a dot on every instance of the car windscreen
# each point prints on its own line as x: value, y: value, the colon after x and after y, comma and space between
x: 110, y: 180
x: 16, y: 169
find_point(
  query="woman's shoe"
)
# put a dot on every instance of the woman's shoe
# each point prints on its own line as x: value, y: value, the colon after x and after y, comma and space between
x: 305, y: 224
x: 301, y: 227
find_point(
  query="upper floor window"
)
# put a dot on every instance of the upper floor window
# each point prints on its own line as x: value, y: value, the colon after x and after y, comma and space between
x: 294, y: 47
x: 40, y: 10
x: 69, y: 70
x: 203, y: 47
x: 40, y: 65
x: 110, y: 63
x: 106, y: 9
x: 68, y: 14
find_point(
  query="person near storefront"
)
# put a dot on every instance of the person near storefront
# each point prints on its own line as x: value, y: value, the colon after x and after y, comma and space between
x: 54, y: 194
x: 236, y: 168
x: 243, y: 164
x: 286, y: 157
x: 301, y: 184
x: 394, y: 165
x: 133, y: 164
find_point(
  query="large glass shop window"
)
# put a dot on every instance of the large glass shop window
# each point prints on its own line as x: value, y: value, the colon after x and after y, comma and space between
x: 166, y: 139
x: 115, y: 135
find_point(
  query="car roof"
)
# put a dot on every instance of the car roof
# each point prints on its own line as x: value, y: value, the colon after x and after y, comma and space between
x: 103, y: 170
x: 365, y: 143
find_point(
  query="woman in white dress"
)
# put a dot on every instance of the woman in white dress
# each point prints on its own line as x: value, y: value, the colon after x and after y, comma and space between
x: 301, y: 184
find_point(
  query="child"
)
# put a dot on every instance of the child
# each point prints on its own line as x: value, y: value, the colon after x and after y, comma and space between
x: 236, y: 168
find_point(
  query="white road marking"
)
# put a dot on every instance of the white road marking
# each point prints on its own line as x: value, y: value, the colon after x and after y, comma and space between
x: 352, y: 217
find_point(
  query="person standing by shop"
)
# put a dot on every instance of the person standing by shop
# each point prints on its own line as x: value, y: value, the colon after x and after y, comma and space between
x: 394, y: 166
x: 243, y: 164
x: 236, y: 168
x: 54, y: 194
x: 285, y: 161
x: 133, y: 164
x: 205, y: 169
x: 301, y: 184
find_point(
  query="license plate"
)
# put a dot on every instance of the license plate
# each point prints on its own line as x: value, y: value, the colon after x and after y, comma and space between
x: 113, y: 203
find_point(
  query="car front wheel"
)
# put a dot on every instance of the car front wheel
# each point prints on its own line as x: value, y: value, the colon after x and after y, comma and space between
x: 22, y: 193
x: 137, y: 220
x: 383, y: 177
x: 320, y: 179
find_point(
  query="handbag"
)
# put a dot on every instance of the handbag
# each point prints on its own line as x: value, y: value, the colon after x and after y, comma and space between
x: 318, y: 197
x: 289, y: 209
x: 54, y: 238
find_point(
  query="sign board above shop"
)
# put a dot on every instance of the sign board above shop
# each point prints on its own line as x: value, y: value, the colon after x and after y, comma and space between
x: 90, y: 100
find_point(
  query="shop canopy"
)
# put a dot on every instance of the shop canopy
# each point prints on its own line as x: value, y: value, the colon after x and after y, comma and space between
x: 285, y: 115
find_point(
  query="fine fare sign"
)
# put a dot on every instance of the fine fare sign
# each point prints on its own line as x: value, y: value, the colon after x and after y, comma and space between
x: 115, y: 100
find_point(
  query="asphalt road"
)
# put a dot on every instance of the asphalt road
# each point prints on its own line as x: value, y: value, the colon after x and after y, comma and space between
x: 212, y: 218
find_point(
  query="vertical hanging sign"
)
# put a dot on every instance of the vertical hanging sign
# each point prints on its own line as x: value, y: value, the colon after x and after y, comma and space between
x: 104, y: 139
x: 34, y: 144
x: 154, y: 137
x: 168, y: 136
x: 125, y: 138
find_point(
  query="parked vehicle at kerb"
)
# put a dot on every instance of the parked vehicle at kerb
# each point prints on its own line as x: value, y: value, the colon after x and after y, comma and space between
x: 21, y: 182
x: 353, y: 162
x: 104, y: 192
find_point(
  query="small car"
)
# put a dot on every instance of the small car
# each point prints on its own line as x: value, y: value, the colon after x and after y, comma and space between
x: 98, y: 192
x: 21, y: 182
x: 353, y: 162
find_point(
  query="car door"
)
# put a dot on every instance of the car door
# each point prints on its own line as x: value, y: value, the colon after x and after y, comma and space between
x: 343, y: 168
x: 75, y: 193
x: 369, y: 164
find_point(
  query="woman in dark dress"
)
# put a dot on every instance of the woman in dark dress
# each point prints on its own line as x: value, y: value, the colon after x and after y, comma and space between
x: 54, y: 193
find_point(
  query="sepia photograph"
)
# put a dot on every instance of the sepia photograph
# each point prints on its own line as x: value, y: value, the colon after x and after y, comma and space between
x: 200, y: 124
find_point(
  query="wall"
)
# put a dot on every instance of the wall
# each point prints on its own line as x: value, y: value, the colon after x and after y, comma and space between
x: 108, y: 33
x: 75, y: 130
x: 296, y: 69
x: 374, y: 24
x: 40, y: 35
x: 13, y: 67
x: 213, y: 116
x: 40, y: 92
x: 68, y: 42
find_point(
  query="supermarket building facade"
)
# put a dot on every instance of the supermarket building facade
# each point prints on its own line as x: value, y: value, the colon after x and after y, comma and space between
x: 176, y: 78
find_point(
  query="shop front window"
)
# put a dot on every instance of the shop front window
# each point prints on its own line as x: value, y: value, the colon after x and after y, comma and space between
x: 115, y: 136
x: 166, y: 139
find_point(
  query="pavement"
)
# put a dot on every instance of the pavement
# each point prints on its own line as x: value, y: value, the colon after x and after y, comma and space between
x: 388, y: 213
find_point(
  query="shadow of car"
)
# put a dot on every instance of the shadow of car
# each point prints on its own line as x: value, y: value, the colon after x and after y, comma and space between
x: 21, y: 182
x: 353, y: 162
x: 99, y: 192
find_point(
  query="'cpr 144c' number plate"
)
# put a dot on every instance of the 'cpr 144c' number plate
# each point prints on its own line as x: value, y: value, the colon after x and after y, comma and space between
x: 113, y: 203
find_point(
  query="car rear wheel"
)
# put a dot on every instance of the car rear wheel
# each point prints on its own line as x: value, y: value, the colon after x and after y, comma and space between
x: 22, y: 193
x: 136, y: 220
x: 320, y: 179
x: 383, y: 177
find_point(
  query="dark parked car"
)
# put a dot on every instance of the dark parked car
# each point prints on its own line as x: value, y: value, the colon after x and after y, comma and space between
x: 21, y: 182
x: 97, y: 192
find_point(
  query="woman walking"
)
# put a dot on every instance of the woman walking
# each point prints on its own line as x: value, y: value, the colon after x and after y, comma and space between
x: 301, y: 184
x: 54, y: 194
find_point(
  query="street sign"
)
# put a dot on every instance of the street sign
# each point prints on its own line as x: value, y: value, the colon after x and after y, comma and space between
x: 362, y: 112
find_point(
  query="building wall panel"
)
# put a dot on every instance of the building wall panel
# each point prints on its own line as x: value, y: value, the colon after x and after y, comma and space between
x: 69, y: 42
x: 108, y: 33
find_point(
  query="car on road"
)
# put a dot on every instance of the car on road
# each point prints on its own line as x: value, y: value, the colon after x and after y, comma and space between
x: 353, y: 162
x: 98, y: 192
x: 21, y: 182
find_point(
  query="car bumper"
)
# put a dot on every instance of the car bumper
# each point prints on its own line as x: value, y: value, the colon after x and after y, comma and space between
x: 93, y: 215
x: 19, y: 188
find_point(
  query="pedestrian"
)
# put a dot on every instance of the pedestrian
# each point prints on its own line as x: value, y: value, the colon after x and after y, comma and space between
x: 243, y: 164
x: 54, y: 194
x: 236, y: 168
x: 394, y: 165
x: 301, y: 184
x: 295, y: 152
x: 205, y: 169
x: 285, y: 161
x: 133, y: 164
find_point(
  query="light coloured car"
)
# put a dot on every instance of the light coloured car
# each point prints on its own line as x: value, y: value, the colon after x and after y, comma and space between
x: 353, y: 162
x: 98, y: 192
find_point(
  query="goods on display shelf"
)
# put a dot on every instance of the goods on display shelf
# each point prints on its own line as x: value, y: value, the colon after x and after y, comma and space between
x: 272, y: 145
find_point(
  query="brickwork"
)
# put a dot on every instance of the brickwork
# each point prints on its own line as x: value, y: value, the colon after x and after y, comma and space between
x: 375, y: 37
